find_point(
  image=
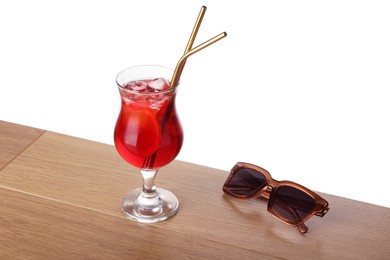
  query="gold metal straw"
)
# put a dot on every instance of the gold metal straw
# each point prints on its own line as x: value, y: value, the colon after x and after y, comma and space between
x: 180, y: 64
x: 179, y: 68
x: 196, y: 29
x: 193, y: 34
x: 188, y: 51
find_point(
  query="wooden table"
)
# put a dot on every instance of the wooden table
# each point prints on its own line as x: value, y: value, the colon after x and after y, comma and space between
x: 60, y: 198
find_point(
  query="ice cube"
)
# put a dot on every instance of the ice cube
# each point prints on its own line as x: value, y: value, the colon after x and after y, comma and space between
x: 126, y: 100
x: 159, y: 84
x: 155, y: 103
x: 137, y: 85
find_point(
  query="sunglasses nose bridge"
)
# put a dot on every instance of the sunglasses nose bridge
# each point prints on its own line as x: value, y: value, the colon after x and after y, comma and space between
x: 271, y: 184
x: 267, y: 192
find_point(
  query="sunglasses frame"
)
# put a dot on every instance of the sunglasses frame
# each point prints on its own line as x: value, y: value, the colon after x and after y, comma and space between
x: 269, y: 190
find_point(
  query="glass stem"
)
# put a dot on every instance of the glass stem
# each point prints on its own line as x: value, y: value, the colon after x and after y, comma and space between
x: 149, y: 201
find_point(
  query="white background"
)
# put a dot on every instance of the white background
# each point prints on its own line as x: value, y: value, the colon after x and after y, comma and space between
x: 297, y: 87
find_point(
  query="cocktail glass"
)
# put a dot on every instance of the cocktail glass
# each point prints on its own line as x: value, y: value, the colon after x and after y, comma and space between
x: 148, y: 135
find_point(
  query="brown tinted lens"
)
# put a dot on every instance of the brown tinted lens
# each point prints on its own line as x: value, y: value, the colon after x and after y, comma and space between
x: 291, y: 204
x: 245, y: 182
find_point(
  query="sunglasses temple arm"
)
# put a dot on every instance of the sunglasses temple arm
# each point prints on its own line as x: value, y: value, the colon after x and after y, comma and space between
x: 303, y: 228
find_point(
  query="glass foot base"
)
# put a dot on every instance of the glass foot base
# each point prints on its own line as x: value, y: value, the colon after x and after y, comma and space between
x: 149, y: 214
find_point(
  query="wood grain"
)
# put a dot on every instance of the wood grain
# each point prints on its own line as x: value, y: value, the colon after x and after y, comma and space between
x: 14, y: 139
x: 78, y: 185
x: 38, y: 228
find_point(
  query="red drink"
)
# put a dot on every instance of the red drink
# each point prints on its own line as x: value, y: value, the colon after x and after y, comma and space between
x: 148, y: 134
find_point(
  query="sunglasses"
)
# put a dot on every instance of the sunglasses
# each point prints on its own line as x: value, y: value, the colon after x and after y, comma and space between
x: 288, y: 201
